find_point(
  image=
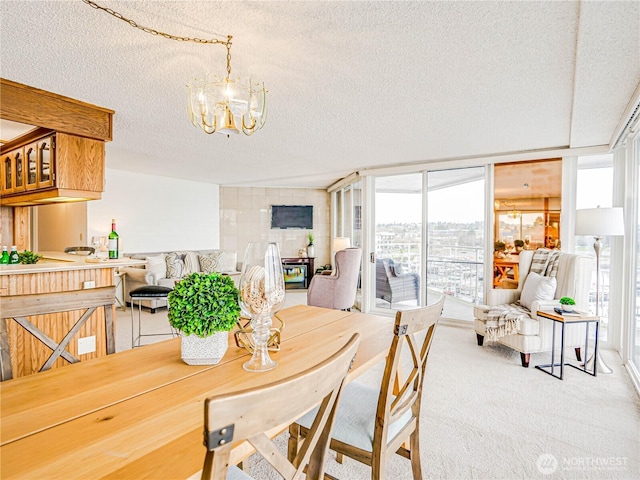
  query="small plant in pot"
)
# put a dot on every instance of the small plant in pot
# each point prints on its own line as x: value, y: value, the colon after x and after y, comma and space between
x: 204, y: 308
x: 499, y: 249
x: 567, y: 303
x: 310, y: 247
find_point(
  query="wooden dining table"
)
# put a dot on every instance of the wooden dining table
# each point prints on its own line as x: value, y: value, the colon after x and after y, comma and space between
x: 140, y: 413
x: 504, y: 267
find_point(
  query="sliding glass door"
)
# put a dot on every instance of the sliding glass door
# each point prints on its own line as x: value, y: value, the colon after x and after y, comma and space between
x: 398, y: 241
x: 455, y: 239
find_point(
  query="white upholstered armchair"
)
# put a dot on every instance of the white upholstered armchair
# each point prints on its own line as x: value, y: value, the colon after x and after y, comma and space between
x: 573, y: 279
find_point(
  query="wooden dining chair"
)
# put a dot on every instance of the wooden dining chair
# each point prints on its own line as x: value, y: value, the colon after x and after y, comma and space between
x: 374, y: 422
x: 248, y: 414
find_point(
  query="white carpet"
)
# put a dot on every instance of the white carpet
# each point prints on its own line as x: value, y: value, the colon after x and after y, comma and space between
x: 486, y: 417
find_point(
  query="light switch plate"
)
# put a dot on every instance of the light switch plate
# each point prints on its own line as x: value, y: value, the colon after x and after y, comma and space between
x: 86, y: 345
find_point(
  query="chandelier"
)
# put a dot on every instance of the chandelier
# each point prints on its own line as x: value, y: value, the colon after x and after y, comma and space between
x: 227, y: 105
x: 515, y: 214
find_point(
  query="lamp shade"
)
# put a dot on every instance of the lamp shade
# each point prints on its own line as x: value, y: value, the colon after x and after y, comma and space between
x: 600, y: 222
x: 341, y: 243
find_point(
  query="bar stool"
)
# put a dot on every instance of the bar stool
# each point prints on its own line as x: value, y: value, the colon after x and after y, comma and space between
x: 145, y: 293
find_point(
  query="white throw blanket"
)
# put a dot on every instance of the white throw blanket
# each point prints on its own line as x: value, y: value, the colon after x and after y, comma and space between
x: 503, y: 320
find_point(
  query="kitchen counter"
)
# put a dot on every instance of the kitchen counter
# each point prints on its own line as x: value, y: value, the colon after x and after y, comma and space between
x: 59, y: 261
x: 66, y: 302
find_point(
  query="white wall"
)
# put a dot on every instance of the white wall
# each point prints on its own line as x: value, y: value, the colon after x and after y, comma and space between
x: 155, y: 213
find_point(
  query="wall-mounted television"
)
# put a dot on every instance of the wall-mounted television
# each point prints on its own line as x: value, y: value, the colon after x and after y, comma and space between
x: 292, y: 216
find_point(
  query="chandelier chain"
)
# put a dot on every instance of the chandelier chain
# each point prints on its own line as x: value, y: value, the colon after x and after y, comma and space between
x: 169, y: 36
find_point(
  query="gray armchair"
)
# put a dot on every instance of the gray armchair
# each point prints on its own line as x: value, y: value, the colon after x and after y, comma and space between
x: 393, y: 286
x: 337, y: 291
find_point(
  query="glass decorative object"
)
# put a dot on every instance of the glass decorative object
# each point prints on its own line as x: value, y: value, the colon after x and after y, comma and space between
x: 261, y: 294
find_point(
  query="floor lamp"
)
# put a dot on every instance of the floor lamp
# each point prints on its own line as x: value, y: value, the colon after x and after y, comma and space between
x: 599, y: 222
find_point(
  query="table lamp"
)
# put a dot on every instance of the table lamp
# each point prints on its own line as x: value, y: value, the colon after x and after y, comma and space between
x: 341, y: 243
x: 599, y: 222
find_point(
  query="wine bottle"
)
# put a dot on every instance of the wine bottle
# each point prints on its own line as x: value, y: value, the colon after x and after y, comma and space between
x: 5, y: 256
x: 114, y: 240
x: 13, y: 256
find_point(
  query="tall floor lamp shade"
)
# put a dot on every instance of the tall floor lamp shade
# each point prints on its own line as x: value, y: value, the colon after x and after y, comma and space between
x: 599, y: 222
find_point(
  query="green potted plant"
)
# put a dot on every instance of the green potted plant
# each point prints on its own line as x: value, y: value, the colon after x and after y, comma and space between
x: 204, y: 308
x: 499, y: 249
x: 566, y: 303
x: 310, y: 247
x: 519, y: 244
x: 28, y: 257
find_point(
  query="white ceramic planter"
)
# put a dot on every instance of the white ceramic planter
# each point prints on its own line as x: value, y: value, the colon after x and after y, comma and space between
x: 311, y: 251
x: 204, y: 351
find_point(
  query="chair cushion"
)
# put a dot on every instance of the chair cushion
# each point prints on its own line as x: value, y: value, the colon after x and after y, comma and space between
x: 355, y: 421
x: 150, y: 291
x: 528, y: 326
x: 537, y: 288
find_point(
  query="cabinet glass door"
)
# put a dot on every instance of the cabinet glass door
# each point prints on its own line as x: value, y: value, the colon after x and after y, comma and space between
x: 7, y: 184
x: 45, y: 163
x: 19, y: 171
x: 31, y: 163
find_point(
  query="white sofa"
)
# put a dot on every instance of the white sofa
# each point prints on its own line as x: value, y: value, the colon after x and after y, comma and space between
x: 534, y: 334
x: 166, y: 268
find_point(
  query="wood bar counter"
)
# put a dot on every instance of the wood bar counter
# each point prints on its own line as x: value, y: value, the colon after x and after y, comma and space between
x: 45, y: 308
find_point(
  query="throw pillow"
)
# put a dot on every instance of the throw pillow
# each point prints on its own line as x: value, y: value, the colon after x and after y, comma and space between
x: 209, y: 263
x: 228, y: 261
x: 157, y: 265
x: 175, y: 265
x: 191, y: 263
x: 537, y: 288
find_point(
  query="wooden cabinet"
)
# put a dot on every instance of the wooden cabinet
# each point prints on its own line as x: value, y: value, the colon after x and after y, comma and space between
x: 28, y: 167
x: 51, y: 167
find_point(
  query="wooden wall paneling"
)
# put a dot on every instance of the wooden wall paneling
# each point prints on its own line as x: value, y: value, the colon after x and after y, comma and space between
x: 27, y: 353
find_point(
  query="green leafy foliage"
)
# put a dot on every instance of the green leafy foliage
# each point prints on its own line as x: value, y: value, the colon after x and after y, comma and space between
x: 518, y: 243
x: 567, y: 301
x: 29, y: 257
x: 310, y: 237
x: 499, y: 246
x: 202, y: 304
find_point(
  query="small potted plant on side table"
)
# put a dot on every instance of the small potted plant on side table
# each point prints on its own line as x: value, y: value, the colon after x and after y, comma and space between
x: 204, y: 308
x: 567, y: 303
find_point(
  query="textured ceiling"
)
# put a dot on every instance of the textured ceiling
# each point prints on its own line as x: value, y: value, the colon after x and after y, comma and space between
x: 351, y: 84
